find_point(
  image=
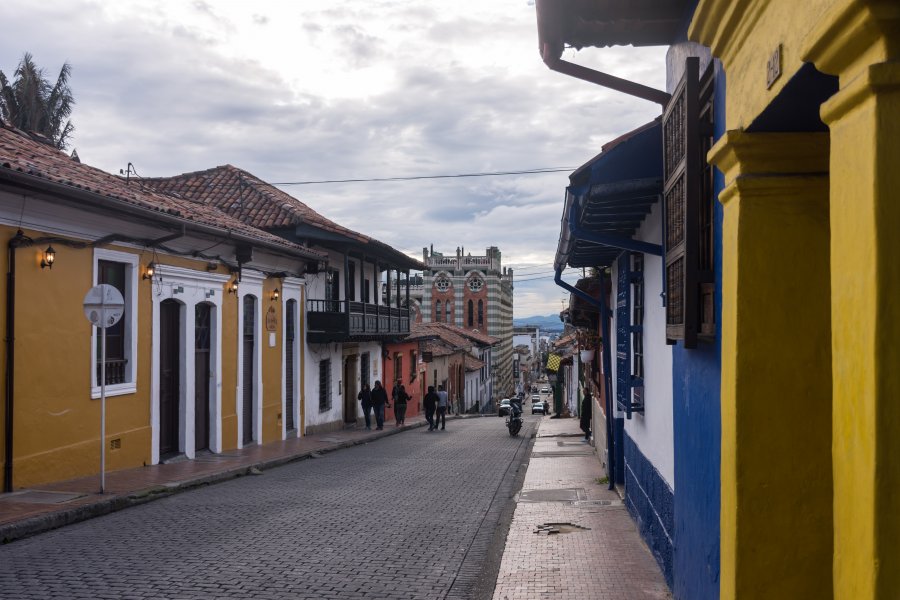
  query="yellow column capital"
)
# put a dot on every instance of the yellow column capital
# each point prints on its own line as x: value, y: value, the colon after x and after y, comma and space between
x: 852, y: 35
x: 739, y: 153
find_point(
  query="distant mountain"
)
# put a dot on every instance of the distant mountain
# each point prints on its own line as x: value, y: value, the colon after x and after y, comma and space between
x: 546, y: 323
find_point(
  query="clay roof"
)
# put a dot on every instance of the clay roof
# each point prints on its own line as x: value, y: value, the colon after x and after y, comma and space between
x: 260, y: 204
x: 472, y: 363
x: 39, y: 165
x: 456, y: 335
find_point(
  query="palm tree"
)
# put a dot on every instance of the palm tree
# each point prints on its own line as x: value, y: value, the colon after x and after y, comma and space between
x: 32, y: 104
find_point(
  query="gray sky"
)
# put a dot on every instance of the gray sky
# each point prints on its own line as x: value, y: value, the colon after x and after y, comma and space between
x: 342, y: 89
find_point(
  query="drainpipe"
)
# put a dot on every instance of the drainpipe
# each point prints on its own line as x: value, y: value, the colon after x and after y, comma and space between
x: 17, y: 241
x: 551, y: 54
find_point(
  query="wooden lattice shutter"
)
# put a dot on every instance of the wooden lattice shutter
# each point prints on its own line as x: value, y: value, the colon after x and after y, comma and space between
x: 682, y: 205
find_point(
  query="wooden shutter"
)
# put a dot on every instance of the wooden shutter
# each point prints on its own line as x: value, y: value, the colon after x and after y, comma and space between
x: 682, y: 205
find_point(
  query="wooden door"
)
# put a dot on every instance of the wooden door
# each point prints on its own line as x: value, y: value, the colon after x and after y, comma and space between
x: 350, y: 390
x: 249, y: 365
x: 290, y: 325
x: 202, y: 374
x: 169, y: 376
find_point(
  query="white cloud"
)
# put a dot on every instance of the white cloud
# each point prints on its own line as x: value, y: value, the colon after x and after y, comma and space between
x: 292, y: 91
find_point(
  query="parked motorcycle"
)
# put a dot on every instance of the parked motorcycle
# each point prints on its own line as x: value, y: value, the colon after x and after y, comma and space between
x: 514, y: 420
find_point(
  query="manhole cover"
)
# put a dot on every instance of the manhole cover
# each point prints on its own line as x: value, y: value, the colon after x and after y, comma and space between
x: 40, y: 497
x: 589, y: 503
x: 562, y: 453
x: 555, y: 528
x: 562, y: 495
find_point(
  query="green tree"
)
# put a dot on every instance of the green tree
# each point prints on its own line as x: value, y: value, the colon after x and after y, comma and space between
x: 31, y: 103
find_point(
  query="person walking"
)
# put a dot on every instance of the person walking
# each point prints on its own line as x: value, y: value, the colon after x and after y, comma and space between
x: 400, y: 405
x: 443, y: 403
x: 365, y: 398
x: 430, y: 403
x: 587, y: 409
x: 379, y: 401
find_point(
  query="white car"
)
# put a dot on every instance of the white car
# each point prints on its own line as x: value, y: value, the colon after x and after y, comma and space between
x: 545, y: 390
x: 537, y: 407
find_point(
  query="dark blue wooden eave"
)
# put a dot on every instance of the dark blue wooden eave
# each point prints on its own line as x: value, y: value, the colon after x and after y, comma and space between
x: 609, y: 197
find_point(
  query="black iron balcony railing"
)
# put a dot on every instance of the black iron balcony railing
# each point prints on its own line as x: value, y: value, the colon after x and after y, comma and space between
x: 115, y: 371
x: 338, y: 320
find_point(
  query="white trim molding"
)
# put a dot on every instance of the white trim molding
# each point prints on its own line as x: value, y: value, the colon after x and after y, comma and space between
x: 292, y: 289
x: 189, y: 288
x: 251, y: 284
x: 132, y: 269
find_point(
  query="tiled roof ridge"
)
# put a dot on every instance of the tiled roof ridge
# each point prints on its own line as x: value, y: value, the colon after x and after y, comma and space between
x: 291, y: 211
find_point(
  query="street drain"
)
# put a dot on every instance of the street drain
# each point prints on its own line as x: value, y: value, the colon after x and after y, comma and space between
x: 554, y: 528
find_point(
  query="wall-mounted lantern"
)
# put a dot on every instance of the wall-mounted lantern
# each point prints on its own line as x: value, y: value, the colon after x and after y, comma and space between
x: 48, y: 258
x: 233, y: 286
x: 275, y: 295
x: 150, y: 270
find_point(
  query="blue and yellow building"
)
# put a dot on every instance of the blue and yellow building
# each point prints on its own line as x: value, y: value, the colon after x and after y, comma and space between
x: 785, y: 367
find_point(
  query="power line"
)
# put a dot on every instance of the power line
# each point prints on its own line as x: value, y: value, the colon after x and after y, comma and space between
x: 538, y: 171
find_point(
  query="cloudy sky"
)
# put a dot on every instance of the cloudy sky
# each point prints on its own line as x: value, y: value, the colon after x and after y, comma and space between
x: 308, y: 90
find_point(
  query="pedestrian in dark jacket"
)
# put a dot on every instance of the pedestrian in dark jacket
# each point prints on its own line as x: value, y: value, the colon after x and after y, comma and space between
x: 587, y: 409
x: 365, y: 398
x: 400, y: 405
x: 430, y: 403
x: 379, y: 401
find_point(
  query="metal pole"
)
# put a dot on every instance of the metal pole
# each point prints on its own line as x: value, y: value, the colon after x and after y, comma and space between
x: 103, y: 395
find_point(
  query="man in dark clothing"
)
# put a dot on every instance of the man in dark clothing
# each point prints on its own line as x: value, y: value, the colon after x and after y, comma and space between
x: 587, y: 409
x: 365, y: 398
x: 379, y: 400
x: 430, y: 403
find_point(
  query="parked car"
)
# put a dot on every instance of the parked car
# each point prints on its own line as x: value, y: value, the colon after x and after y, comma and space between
x: 537, y: 407
x: 504, y: 408
x: 536, y: 398
x: 545, y: 390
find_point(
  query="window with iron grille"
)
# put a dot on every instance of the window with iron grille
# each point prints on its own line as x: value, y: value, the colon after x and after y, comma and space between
x: 118, y: 269
x: 324, y: 385
x: 412, y: 365
x: 688, y: 208
x: 637, y: 329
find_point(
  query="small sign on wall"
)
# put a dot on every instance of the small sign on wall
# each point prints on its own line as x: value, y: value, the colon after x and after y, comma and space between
x: 773, y: 67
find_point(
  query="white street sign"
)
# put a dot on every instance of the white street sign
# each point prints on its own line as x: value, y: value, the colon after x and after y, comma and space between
x: 103, y: 305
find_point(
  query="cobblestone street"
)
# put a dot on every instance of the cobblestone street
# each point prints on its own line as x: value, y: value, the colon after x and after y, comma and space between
x: 407, y: 516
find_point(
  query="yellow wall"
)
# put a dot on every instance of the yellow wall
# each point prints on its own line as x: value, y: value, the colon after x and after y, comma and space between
x: 271, y: 359
x: 56, y: 422
x: 858, y: 41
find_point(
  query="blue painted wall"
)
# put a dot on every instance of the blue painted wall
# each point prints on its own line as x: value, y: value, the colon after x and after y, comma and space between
x: 698, y: 430
x: 651, y: 504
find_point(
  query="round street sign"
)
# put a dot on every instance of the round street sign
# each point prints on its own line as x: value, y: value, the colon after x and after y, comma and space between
x: 103, y: 305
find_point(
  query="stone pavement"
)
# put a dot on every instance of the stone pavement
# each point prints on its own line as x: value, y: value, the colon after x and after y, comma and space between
x: 28, y: 512
x: 571, y: 537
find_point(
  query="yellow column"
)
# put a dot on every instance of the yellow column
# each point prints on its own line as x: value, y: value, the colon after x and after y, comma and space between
x: 776, y: 514
x: 860, y: 42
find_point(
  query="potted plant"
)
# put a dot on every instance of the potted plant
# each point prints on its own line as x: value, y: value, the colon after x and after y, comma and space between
x: 587, y: 343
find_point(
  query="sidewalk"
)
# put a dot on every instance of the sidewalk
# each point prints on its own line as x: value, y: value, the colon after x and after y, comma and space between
x: 42, y: 508
x: 571, y: 537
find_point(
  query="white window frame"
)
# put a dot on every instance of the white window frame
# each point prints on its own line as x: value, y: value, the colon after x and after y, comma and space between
x: 132, y: 269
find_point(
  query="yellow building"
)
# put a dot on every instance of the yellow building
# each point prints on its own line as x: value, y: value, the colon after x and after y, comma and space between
x: 812, y: 268
x: 207, y: 356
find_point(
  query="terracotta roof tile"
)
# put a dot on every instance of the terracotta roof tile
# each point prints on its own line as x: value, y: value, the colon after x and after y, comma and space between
x: 19, y: 153
x: 260, y: 204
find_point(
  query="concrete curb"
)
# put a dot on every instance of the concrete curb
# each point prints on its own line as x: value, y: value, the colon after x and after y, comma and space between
x: 11, y: 532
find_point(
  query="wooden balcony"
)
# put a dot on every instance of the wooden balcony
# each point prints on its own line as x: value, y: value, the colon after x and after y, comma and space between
x: 340, y: 321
